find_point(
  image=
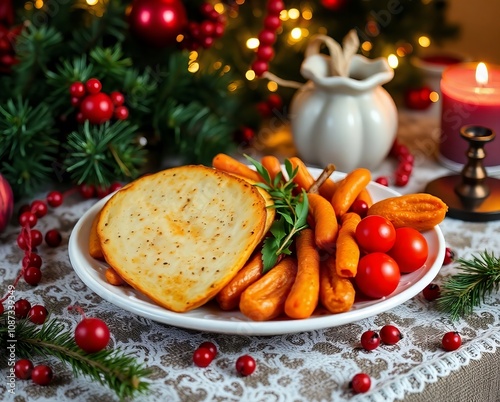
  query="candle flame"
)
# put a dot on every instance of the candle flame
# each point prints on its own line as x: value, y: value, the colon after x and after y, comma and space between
x: 481, y: 74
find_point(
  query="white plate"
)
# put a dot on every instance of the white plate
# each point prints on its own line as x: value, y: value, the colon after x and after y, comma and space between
x: 211, y: 319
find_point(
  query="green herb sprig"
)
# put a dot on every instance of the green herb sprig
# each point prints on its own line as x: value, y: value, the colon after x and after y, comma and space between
x: 477, y: 278
x: 292, y: 210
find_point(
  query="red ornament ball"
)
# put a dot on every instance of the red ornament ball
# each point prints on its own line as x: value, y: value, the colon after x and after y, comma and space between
x: 334, y: 5
x: 97, y: 108
x: 418, y: 98
x: 158, y: 22
x: 92, y: 335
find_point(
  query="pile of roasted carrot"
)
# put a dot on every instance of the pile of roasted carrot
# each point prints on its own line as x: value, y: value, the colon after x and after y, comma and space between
x: 326, y: 254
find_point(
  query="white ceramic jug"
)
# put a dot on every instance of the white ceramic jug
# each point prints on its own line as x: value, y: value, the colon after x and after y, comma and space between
x: 350, y: 121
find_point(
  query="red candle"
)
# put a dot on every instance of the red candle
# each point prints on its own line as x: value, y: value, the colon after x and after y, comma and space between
x: 470, y: 94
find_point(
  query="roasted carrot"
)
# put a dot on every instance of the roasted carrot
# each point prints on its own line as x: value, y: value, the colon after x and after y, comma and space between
x: 335, y: 293
x: 324, y: 222
x: 272, y: 165
x: 265, y: 299
x: 229, y: 296
x: 305, y: 180
x: 113, y: 278
x: 349, y: 189
x: 303, y: 297
x: 365, y: 196
x: 347, y: 254
x: 228, y: 164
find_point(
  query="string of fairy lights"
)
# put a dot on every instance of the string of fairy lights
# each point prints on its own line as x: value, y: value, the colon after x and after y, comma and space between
x: 295, y: 23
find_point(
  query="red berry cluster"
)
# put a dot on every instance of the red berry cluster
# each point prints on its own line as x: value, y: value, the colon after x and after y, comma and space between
x: 89, y: 191
x: 203, y: 34
x: 41, y: 374
x: 206, y: 352
x: 94, y: 105
x: 267, y: 37
x: 273, y: 103
x: 389, y: 335
x: 405, y: 165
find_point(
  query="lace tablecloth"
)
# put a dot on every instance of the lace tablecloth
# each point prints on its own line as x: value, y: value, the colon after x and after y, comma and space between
x: 310, y: 366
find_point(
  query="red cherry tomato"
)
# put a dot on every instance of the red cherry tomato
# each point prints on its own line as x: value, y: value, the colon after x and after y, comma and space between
x: 378, y: 275
x: 375, y: 233
x: 410, y: 249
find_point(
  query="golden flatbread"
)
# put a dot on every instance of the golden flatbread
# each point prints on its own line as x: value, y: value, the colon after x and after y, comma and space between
x: 180, y: 235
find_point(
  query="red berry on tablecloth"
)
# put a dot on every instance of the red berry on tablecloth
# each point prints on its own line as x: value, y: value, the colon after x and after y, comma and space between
x: 360, y: 383
x: 32, y: 260
x: 22, y: 308
x: 97, y: 108
x: 28, y: 218
x: 431, y: 292
x: 77, y: 90
x: 245, y: 365
x: 42, y: 374
x: 92, y: 335
x: 23, y: 369
x: 55, y: 199
x: 87, y: 191
x: 370, y: 340
x: 53, y: 238
x: 38, y: 314
x: 202, y: 357
x: 32, y: 275
x: 210, y: 346
x: 39, y: 208
x: 390, y: 335
x: 93, y: 86
x: 449, y: 256
x: 451, y: 341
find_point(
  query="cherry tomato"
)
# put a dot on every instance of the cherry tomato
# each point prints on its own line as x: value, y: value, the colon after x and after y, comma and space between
x: 375, y: 233
x: 410, y: 249
x: 378, y: 275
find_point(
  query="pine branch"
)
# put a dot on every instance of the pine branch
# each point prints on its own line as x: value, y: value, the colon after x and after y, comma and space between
x: 119, y: 371
x: 477, y: 278
x: 101, y: 154
x: 110, y: 62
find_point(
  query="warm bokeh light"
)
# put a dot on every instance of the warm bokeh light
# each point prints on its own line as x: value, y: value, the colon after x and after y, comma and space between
x: 217, y: 65
x: 272, y: 86
x: 219, y: 7
x: 366, y: 46
x: 252, y: 43
x: 92, y: 2
x: 481, y: 74
x: 250, y: 75
x: 434, y: 96
x: 28, y: 5
x: 38, y: 4
x: 284, y: 15
x: 226, y: 68
x: 296, y: 33
x: 193, y: 55
x: 232, y: 87
x: 393, y: 61
x: 293, y: 13
x: 307, y: 14
x: 193, y: 67
x: 424, y: 41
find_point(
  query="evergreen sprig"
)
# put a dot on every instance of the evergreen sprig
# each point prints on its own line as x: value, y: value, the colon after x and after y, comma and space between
x: 111, y: 367
x: 101, y: 154
x: 477, y: 278
x: 292, y: 210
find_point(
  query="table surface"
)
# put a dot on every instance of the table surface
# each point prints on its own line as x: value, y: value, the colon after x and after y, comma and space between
x: 309, y: 366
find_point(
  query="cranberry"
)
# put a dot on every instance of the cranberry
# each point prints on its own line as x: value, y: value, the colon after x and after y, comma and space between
x: 28, y: 218
x: 431, y: 292
x: 77, y: 89
x: 39, y: 208
x: 451, y: 341
x: 92, y: 335
x: 38, y: 314
x: 55, y: 199
x: 117, y: 98
x: 449, y: 256
x: 42, y: 374
x: 22, y: 308
x: 121, y: 112
x: 87, y: 191
x: 210, y: 346
x: 245, y: 365
x: 32, y: 275
x: 53, y: 238
x: 360, y: 383
x: 32, y: 260
x: 359, y: 207
x: 384, y: 181
x: 390, y: 335
x: 202, y: 357
x: 23, y: 369
x: 93, y: 86
x: 370, y: 340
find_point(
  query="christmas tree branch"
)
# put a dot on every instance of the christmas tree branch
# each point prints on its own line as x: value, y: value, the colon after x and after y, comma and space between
x: 118, y: 371
x: 477, y: 278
